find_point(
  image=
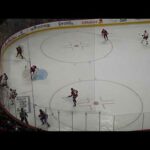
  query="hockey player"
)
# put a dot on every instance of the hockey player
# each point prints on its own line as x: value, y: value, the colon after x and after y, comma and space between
x: 23, y: 116
x: 72, y: 92
x: 43, y: 117
x: 104, y: 34
x: 33, y: 70
x: 13, y: 95
x: 19, y: 51
x: 145, y: 37
x: 74, y: 95
x: 4, y: 79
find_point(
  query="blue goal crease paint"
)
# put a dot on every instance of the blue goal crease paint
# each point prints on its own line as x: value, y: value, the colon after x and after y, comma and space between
x: 41, y: 74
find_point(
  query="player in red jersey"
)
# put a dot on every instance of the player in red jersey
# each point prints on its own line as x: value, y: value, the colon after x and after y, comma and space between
x: 74, y: 95
x: 3, y: 80
x: 72, y: 92
x: 19, y: 51
x: 104, y: 34
x: 43, y: 117
x: 12, y: 95
x: 33, y: 68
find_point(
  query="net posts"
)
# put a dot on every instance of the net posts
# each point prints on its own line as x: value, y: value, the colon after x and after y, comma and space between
x: 114, y: 123
x: 85, y: 121
x: 58, y: 121
x: 72, y: 120
x: 143, y: 121
x: 99, y: 120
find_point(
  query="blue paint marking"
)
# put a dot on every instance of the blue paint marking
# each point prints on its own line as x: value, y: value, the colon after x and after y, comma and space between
x: 41, y: 74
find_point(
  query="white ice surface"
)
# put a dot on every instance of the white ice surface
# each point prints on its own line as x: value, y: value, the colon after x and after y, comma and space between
x: 116, y: 72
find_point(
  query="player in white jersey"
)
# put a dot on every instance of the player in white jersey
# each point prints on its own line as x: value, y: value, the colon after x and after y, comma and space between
x: 145, y: 37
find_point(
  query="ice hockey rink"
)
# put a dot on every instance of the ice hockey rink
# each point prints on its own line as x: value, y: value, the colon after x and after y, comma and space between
x: 112, y: 77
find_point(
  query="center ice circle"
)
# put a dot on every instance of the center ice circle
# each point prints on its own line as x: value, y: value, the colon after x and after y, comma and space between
x: 76, y: 47
x: 110, y: 97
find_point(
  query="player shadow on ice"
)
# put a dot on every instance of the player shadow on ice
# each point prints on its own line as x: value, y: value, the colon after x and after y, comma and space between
x: 145, y: 46
x: 41, y: 74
